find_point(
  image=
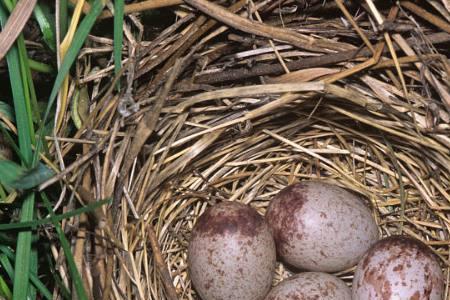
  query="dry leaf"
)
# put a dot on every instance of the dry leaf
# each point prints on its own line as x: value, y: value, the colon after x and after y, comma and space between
x: 15, y: 24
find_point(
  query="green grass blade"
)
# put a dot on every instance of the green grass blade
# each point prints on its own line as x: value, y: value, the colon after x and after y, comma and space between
x: 5, y: 292
x: 39, y: 67
x: 10, y: 171
x: 6, y: 264
x: 75, y: 275
x: 41, y: 287
x: 28, y: 87
x: 63, y: 19
x: 59, y: 284
x: 71, y: 55
x: 55, y: 218
x: 25, y: 134
x: 18, y: 92
x: 23, y: 252
x: 118, y: 35
x: 5, y: 258
x: 46, y: 23
x: 9, y: 5
x: 33, y: 177
x: 27, y: 82
x: 16, y: 176
x: 33, y: 272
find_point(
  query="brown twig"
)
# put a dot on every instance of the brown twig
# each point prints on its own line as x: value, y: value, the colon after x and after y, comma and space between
x: 180, y: 47
x: 161, y: 265
x: 281, y: 34
x: 305, y: 63
x: 142, y: 6
x: 169, y: 53
x: 349, y: 17
x: 276, y: 69
x: 132, y: 8
x: 72, y: 167
x: 422, y: 13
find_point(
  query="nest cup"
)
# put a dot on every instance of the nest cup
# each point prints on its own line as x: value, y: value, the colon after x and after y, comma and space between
x: 405, y: 180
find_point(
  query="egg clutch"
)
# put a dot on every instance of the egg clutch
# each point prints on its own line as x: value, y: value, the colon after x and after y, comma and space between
x: 313, y: 228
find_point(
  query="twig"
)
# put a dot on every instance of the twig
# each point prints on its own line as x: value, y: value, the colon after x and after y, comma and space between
x: 309, y: 62
x: 344, y: 10
x: 281, y: 34
x: 132, y: 8
x: 422, y: 13
x: 181, y: 46
x: 70, y: 168
x: 161, y: 264
x: 275, y: 50
x: 276, y: 69
x: 142, y: 6
x: 169, y: 53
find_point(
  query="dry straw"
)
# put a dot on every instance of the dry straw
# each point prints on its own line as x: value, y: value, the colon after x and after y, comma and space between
x: 361, y: 99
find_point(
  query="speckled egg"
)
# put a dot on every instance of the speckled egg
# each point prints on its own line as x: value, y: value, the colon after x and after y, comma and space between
x: 310, y: 286
x: 231, y: 253
x: 398, y: 267
x: 320, y: 227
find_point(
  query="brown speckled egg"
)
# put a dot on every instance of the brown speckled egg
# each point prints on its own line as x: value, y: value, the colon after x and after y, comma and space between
x: 320, y: 227
x: 231, y: 253
x: 398, y: 267
x: 310, y: 286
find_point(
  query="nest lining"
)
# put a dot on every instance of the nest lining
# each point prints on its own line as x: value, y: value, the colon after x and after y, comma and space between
x: 395, y: 175
x: 219, y: 120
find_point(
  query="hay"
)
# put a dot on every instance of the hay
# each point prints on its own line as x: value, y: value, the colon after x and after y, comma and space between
x: 220, y: 119
x: 406, y: 191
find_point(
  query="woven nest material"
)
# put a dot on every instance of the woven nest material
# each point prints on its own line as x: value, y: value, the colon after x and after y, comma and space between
x: 406, y: 181
x: 227, y: 115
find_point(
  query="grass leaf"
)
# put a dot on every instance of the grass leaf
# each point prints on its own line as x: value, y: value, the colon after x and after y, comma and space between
x: 33, y: 177
x: 10, y: 171
x: 23, y: 252
x: 63, y: 18
x: 39, y: 66
x: 55, y: 218
x: 5, y: 292
x: 6, y: 264
x: 18, y: 92
x: 5, y: 258
x: 16, y: 176
x: 18, y: 79
x: 76, y: 278
x: 71, y: 55
x: 59, y: 284
x: 46, y: 23
x: 118, y: 35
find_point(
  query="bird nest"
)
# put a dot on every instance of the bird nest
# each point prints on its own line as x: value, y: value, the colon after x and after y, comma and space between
x: 404, y: 177
x: 214, y: 113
